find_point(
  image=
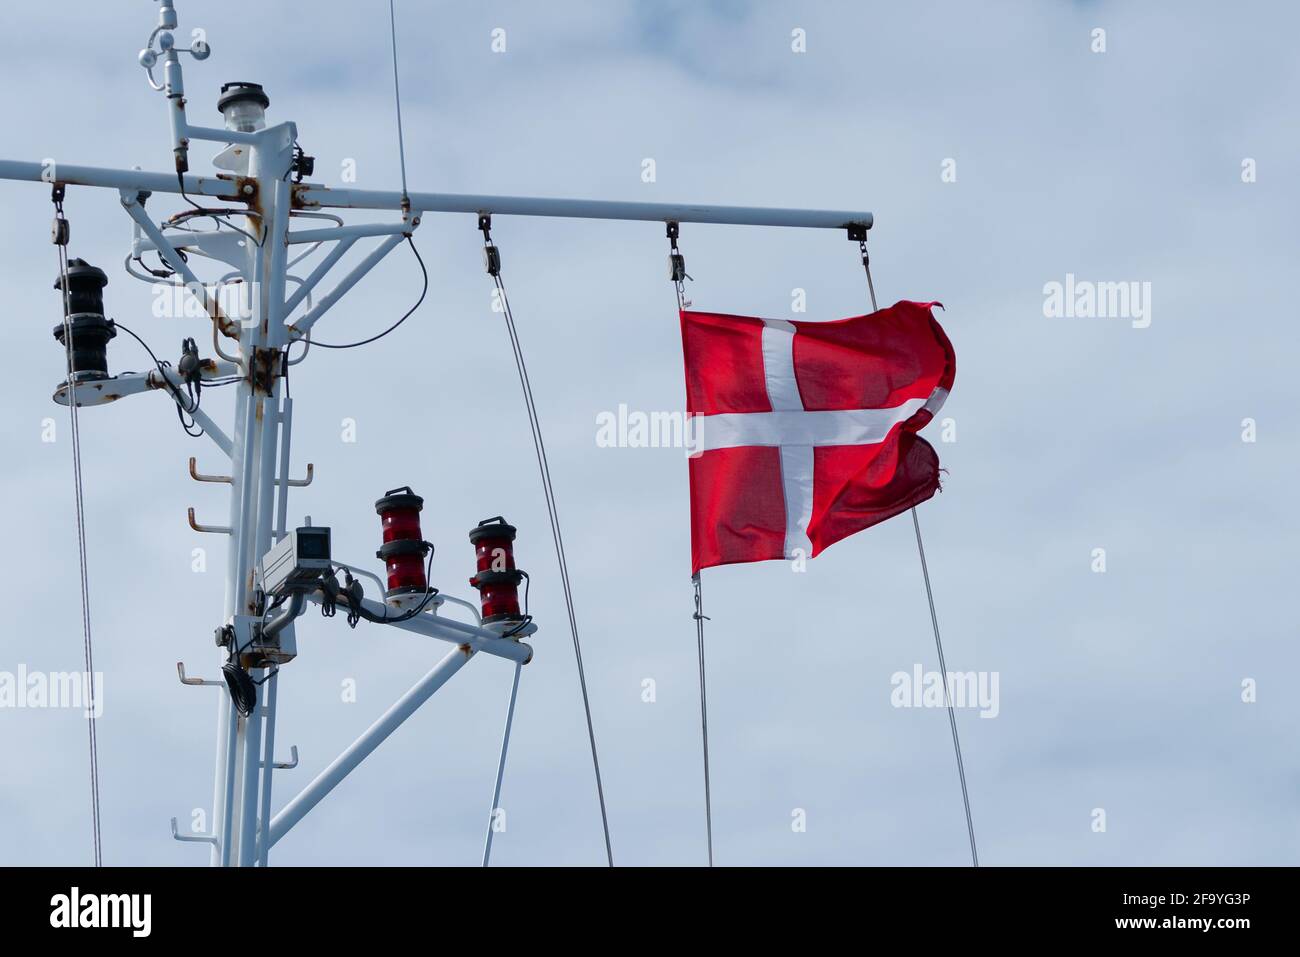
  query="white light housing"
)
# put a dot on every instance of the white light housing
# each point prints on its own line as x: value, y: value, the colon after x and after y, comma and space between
x: 244, y: 106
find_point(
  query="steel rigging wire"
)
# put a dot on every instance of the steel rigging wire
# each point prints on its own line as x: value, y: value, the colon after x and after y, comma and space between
x: 61, y: 242
x: 501, y: 767
x: 492, y: 258
x: 60, y: 238
x: 397, y: 102
x: 677, y: 273
x: 861, y: 236
x: 355, y: 611
x: 700, y: 619
x: 538, y: 445
x: 406, y: 200
x: 943, y: 673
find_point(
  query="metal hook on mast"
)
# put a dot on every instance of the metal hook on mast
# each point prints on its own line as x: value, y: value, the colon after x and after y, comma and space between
x: 285, y: 765
x: 210, y: 529
x: 186, y: 680
x: 200, y: 477
x: 192, y: 838
x: 302, y: 482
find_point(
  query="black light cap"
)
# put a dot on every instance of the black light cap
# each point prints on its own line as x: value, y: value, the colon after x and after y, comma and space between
x: 399, y: 498
x: 492, y: 528
x: 85, y: 287
x: 239, y: 90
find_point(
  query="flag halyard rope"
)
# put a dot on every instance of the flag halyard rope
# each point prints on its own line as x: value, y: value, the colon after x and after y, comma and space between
x: 700, y: 619
x: 492, y: 258
x: 397, y: 102
x: 60, y: 238
x: 947, y: 697
x: 860, y: 235
x: 677, y: 273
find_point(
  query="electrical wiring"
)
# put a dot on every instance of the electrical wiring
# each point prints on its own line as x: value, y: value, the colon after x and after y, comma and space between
x: 337, y: 220
x: 218, y: 213
x: 527, y: 619
x: 423, y: 292
x: 243, y: 686
x: 183, y: 407
x: 357, y: 611
x: 306, y: 340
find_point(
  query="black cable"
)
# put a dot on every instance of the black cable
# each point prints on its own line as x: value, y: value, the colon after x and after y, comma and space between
x: 238, y: 681
x: 284, y: 370
x: 357, y: 611
x: 418, y: 302
x: 218, y: 216
x: 329, y: 589
x: 527, y: 619
x: 180, y: 178
x: 182, y: 407
x: 242, y: 685
x: 243, y: 692
x: 217, y: 212
x: 280, y: 600
x: 165, y: 273
x: 160, y: 364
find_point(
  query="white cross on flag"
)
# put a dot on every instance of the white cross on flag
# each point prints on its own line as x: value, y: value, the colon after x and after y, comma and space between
x: 805, y: 432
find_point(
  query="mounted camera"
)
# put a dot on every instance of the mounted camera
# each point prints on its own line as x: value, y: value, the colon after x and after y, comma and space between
x: 297, y: 561
x: 294, y: 566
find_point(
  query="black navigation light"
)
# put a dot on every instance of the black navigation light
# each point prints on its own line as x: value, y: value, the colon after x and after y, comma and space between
x: 84, y: 312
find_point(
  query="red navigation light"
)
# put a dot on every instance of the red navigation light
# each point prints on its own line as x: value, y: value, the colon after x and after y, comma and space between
x: 404, y: 546
x: 497, y: 579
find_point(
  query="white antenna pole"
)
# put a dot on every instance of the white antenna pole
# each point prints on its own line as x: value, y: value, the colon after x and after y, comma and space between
x: 243, y: 829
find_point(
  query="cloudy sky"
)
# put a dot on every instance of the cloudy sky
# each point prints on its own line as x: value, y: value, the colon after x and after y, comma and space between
x: 1168, y: 159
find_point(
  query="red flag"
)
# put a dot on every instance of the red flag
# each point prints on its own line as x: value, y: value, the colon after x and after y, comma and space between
x: 805, y: 432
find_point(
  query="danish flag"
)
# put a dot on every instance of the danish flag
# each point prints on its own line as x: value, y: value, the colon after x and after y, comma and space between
x: 805, y: 432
